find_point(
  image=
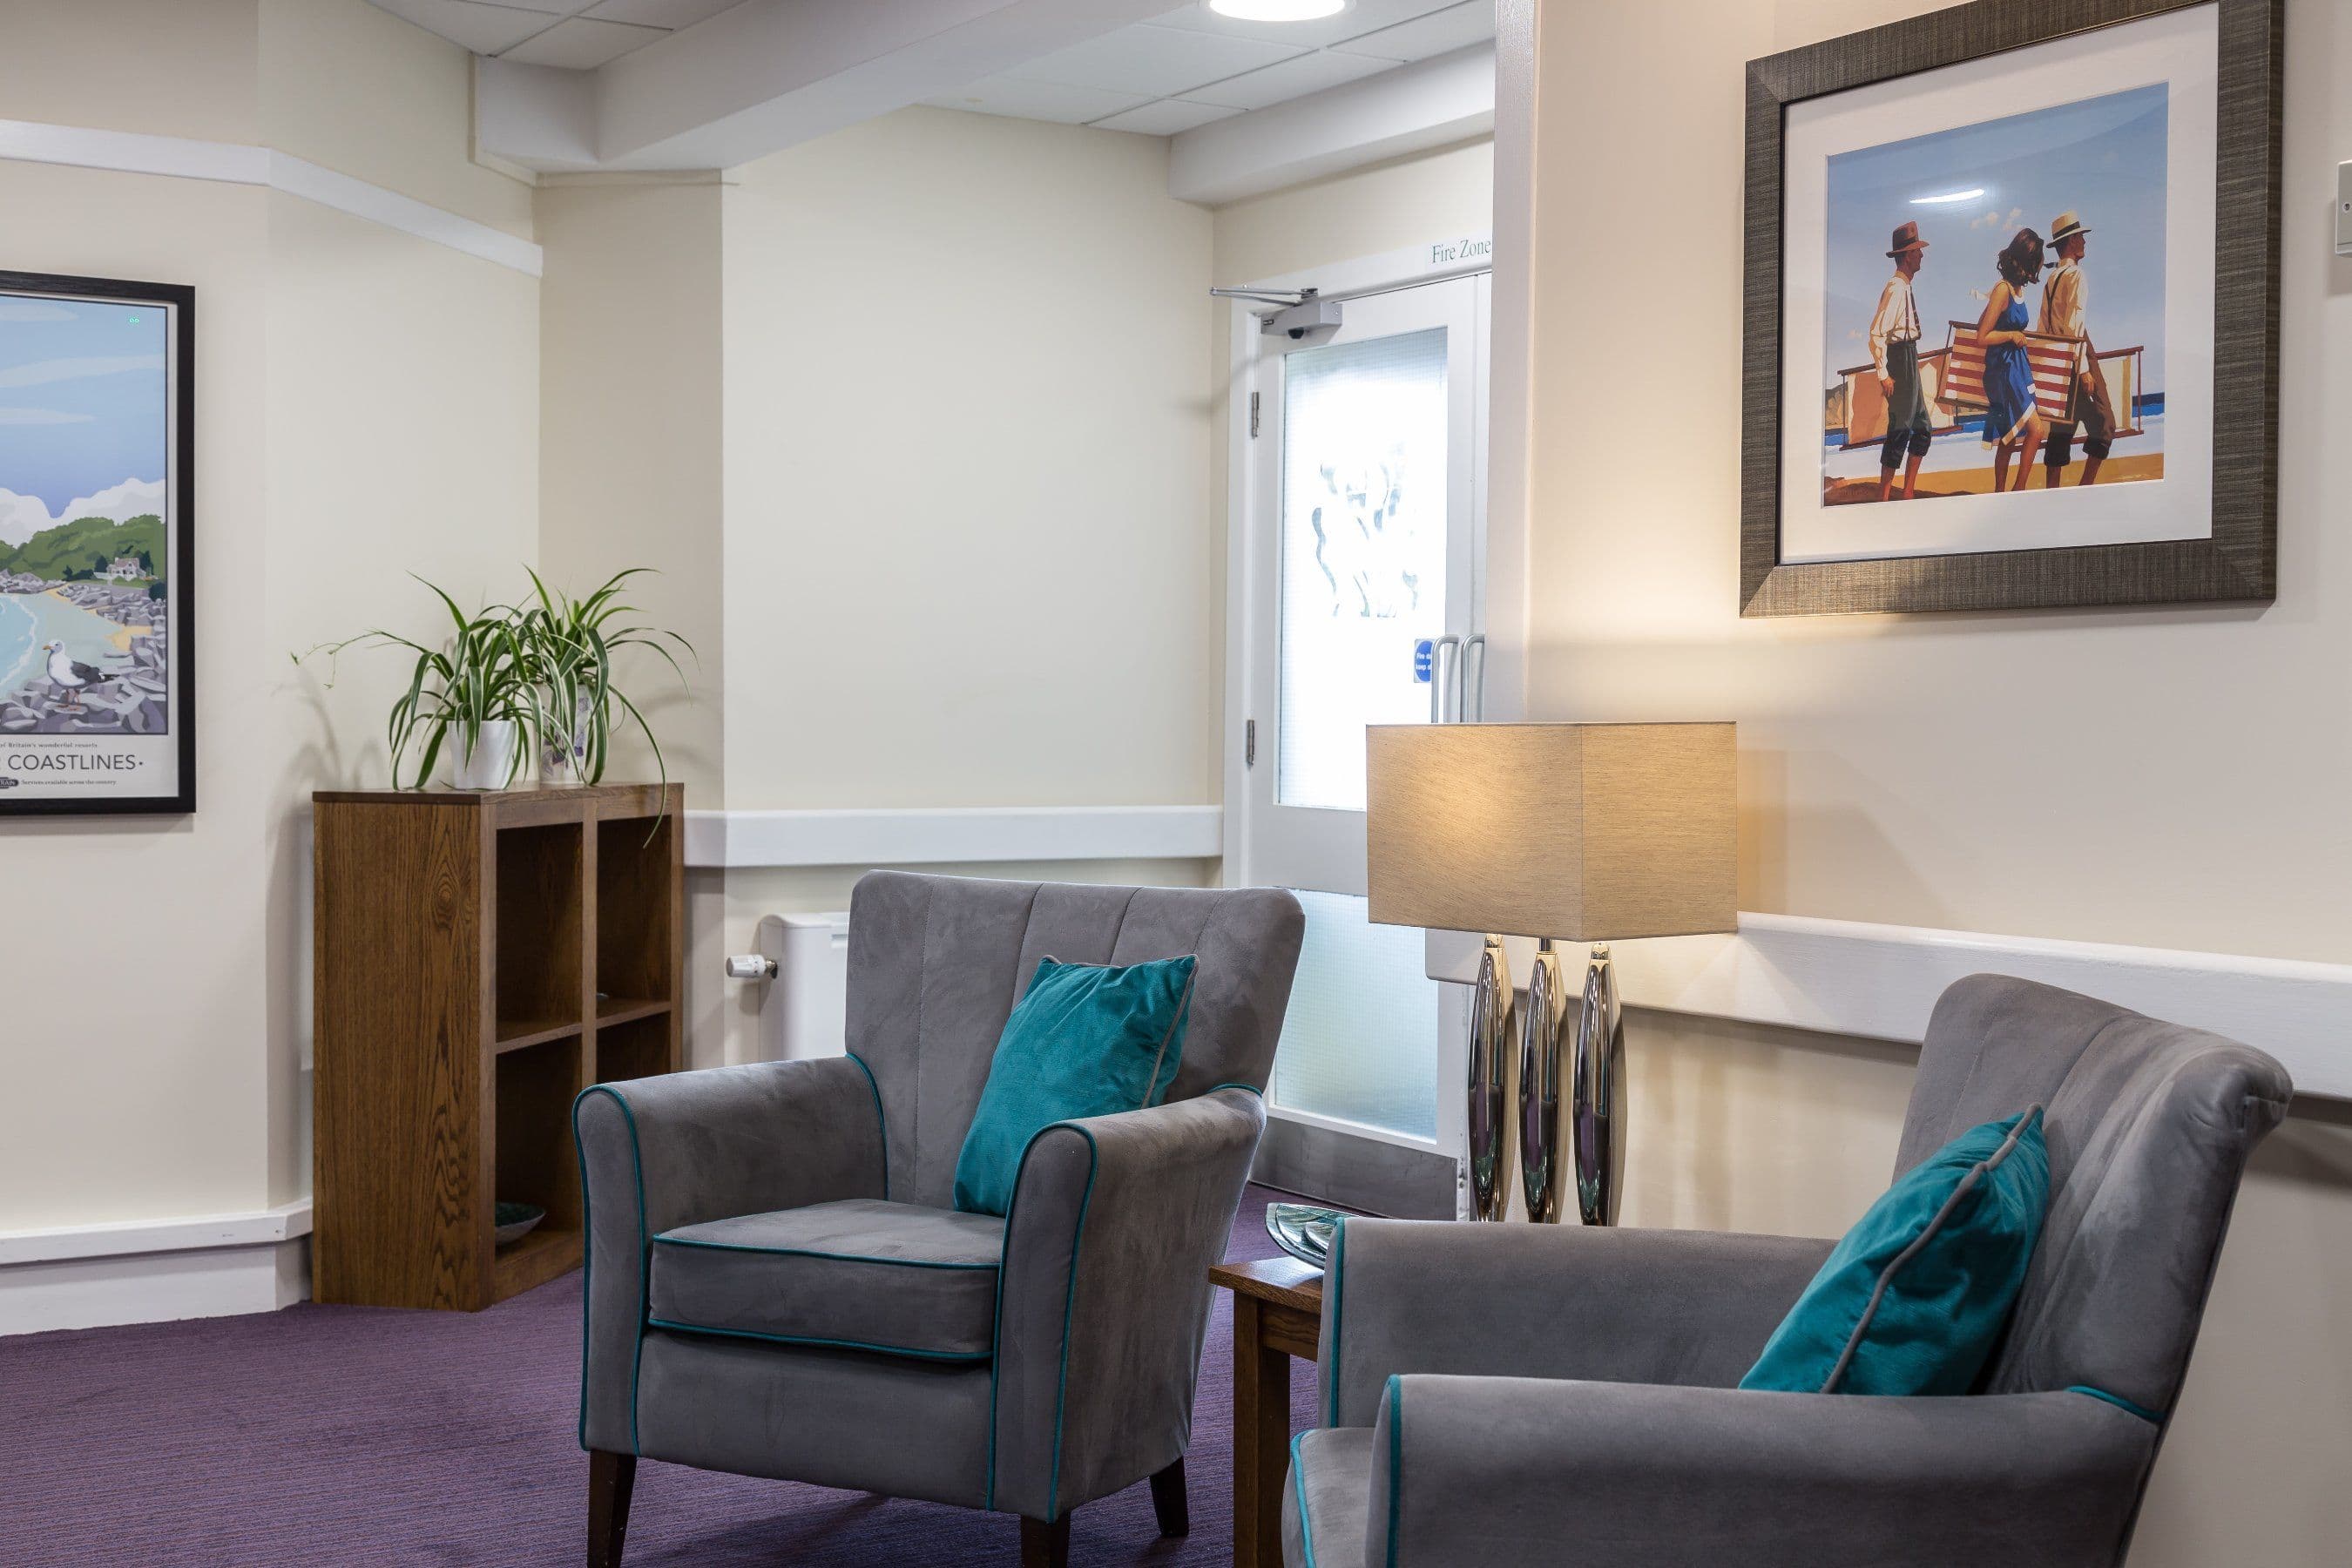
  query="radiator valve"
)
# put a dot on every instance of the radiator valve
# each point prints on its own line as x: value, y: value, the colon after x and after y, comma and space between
x: 751, y: 966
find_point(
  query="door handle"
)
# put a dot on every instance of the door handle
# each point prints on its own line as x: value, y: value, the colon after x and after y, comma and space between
x: 1445, y: 672
x: 1471, y: 706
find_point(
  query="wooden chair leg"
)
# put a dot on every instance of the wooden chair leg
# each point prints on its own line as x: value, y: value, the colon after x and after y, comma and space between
x: 610, y: 1479
x: 1046, y: 1545
x: 1168, y: 1499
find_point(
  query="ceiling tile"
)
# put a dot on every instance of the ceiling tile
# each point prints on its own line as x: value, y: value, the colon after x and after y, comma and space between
x: 580, y: 44
x: 1153, y: 61
x: 1363, y: 17
x: 659, y: 13
x: 485, y: 29
x: 1290, y: 78
x: 1038, y: 101
x: 1166, y: 118
x: 1456, y: 27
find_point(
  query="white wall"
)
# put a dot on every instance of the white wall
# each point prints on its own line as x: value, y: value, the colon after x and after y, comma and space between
x: 2170, y: 777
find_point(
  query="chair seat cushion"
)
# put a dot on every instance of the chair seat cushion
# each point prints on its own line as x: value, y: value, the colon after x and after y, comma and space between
x: 861, y: 1273
x: 1327, y: 1499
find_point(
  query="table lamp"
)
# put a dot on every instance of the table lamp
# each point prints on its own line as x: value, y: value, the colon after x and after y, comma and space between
x: 1589, y: 833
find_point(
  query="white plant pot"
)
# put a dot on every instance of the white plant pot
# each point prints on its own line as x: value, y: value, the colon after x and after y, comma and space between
x: 561, y: 767
x: 491, y: 763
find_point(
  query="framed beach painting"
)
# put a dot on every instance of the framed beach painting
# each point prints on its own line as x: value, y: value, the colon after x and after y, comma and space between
x: 97, y: 545
x: 2011, y: 311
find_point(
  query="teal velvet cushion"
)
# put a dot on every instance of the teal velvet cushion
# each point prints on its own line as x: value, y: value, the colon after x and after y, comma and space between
x: 1915, y: 1297
x: 1086, y: 1040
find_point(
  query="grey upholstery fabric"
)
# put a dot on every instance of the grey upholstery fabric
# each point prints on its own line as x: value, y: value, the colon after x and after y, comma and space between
x: 1544, y: 1300
x: 1520, y: 1472
x: 1115, y: 1222
x: 861, y: 1271
x: 660, y: 1153
x: 2149, y: 1126
x: 1099, y: 1274
x: 1651, y: 1460
x: 936, y: 963
x: 1323, y: 1514
x: 836, y: 1418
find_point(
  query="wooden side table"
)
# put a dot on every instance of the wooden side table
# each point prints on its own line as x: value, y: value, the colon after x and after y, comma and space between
x: 1278, y: 1314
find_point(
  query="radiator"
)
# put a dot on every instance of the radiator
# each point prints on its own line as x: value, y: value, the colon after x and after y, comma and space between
x: 805, y: 1007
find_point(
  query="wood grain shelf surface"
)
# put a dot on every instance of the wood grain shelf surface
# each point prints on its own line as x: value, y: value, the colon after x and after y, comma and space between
x: 622, y: 1009
x: 482, y: 956
x: 515, y: 1035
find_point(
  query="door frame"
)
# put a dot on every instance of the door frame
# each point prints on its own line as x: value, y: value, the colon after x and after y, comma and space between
x: 1454, y: 256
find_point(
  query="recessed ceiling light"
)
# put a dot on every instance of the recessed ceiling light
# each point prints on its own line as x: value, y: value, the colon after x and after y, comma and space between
x: 1278, y: 10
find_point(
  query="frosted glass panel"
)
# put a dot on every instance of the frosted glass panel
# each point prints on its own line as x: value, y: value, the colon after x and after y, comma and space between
x: 1363, y: 552
x: 1360, y: 1042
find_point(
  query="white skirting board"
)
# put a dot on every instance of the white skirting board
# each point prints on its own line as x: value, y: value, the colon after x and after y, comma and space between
x: 953, y: 837
x: 1881, y: 982
x: 152, y: 1271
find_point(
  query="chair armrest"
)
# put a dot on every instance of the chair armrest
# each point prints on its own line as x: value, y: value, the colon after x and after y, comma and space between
x: 1104, y: 1295
x: 659, y: 1153
x: 1501, y: 1472
x: 1560, y: 1302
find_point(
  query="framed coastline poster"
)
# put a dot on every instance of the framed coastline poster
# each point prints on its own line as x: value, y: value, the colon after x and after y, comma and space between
x: 97, y: 555
x: 2012, y: 311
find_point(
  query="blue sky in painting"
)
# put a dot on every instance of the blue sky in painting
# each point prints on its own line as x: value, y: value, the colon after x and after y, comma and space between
x: 81, y: 396
x: 2103, y: 157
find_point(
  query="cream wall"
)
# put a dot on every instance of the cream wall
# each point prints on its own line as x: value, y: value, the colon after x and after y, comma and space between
x: 161, y: 1023
x: 967, y: 471
x: 360, y: 91
x: 967, y: 506
x: 2170, y: 777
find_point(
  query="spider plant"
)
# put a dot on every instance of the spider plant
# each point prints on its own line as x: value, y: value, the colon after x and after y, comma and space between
x: 480, y: 677
x: 569, y: 647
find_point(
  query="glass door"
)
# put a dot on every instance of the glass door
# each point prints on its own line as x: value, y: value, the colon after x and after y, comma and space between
x: 1361, y: 563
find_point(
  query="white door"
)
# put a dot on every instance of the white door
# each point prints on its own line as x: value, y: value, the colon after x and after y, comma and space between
x: 1359, y: 571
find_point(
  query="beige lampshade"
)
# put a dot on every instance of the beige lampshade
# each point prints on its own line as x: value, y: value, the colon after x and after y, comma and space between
x: 1584, y: 831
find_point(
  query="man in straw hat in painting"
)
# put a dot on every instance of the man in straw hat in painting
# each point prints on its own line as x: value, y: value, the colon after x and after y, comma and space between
x: 1895, y: 350
x: 2065, y: 296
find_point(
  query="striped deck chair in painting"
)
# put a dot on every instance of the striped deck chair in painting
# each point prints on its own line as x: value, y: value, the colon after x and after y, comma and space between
x: 2053, y: 361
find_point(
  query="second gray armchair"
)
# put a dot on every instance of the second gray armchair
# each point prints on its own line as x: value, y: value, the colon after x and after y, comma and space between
x: 778, y: 1282
x: 1521, y: 1396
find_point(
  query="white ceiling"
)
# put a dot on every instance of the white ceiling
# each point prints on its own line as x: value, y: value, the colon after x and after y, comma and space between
x: 1192, y: 66
x: 1157, y: 78
x: 577, y: 35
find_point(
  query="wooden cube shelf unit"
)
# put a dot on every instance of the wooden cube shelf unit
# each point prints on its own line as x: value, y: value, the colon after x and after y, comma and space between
x: 481, y: 958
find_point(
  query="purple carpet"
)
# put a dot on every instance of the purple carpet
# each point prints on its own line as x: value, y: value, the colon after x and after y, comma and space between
x: 332, y: 1434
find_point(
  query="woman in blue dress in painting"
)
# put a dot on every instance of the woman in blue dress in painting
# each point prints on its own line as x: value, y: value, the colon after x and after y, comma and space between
x: 2013, y: 425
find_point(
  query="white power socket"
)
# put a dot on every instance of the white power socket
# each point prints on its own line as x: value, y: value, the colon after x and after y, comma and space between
x: 2343, y: 209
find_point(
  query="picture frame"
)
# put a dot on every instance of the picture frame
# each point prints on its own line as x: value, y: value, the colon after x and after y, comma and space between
x: 1802, y: 551
x: 97, y: 546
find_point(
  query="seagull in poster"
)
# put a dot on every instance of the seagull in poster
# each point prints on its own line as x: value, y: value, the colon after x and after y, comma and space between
x: 70, y: 673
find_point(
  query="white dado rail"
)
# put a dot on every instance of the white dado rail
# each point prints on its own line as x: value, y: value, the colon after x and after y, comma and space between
x: 1880, y: 982
x: 961, y: 837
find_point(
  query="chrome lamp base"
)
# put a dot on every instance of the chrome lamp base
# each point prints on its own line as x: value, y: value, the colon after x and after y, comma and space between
x: 1593, y: 1141
x: 1488, y: 1118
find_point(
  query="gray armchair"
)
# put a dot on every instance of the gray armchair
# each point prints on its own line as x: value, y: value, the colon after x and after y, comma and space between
x: 1512, y: 1395
x: 779, y: 1285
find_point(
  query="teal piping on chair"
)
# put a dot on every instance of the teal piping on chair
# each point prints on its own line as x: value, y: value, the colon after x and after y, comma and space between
x: 810, y: 1252
x: 645, y: 1260
x: 881, y: 1120
x: 1336, y: 1276
x: 2120, y: 1402
x: 1298, y: 1485
x: 828, y: 1344
x: 995, y: 1360
x: 1396, y: 1461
